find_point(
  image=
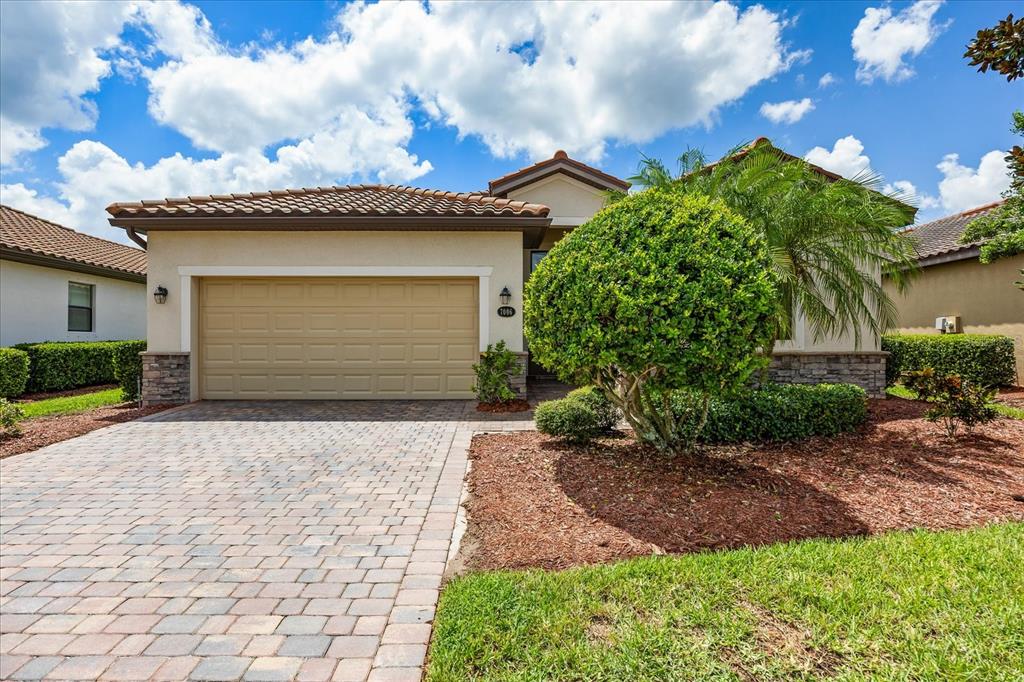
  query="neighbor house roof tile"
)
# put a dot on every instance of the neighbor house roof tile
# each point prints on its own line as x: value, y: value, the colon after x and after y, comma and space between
x: 348, y: 200
x: 29, y: 234
x: 559, y: 162
x: 942, y: 236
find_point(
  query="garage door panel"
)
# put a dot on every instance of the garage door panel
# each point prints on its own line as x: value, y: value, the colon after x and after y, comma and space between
x: 337, y: 338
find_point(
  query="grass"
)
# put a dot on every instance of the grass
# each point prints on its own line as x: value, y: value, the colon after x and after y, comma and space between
x: 903, y: 606
x: 71, y: 404
x: 900, y: 391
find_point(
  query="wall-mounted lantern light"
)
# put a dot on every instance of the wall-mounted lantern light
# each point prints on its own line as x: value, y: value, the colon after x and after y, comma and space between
x: 160, y: 294
x: 505, y: 296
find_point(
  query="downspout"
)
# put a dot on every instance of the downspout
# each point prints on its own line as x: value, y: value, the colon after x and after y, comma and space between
x: 135, y: 237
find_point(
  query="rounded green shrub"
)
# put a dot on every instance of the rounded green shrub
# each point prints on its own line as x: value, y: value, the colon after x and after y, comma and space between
x: 594, y: 398
x: 785, y: 412
x: 13, y: 372
x: 657, y: 292
x: 571, y: 419
x: 984, y: 359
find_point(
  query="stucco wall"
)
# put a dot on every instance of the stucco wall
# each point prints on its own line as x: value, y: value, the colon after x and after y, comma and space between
x: 34, y: 305
x: 168, y: 250
x: 571, y: 202
x: 982, y: 295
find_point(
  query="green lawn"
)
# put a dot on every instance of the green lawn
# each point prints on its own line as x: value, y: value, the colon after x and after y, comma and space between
x: 900, y: 391
x: 904, y: 606
x: 71, y: 404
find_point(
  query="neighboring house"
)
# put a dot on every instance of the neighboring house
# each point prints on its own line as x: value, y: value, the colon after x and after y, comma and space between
x: 954, y: 284
x: 372, y: 291
x: 60, y: 285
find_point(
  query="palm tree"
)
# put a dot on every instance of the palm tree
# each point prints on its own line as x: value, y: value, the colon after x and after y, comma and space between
x: 829, y: 236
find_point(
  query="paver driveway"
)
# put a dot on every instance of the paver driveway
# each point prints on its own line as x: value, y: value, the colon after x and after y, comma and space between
x: 225, y: 541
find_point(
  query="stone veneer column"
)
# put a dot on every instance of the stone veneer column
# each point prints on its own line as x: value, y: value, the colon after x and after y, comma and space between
x: 865, y: 369
x: 166, y: 377
x: 518, y: 381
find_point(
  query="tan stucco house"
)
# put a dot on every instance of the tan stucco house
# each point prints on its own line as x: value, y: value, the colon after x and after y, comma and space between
x: 57, y: 284
x: 370, y: 291
x: 979, y: 298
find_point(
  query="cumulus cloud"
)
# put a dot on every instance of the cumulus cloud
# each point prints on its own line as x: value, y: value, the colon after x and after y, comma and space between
x: 789, y: 111
x: 29, y: 200
x: 906, y: 191
x: 963, y: 188
x: 883, y: 40
x: 523, y: 78
x: 846, y: 157
x: 827, y: 80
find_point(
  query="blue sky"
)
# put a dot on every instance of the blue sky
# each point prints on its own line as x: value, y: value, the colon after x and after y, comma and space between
x: 114, y: 102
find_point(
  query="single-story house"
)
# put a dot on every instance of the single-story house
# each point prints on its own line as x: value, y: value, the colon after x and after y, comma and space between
x: 60, y: 285
x: 973, y: 297
x: 372, y: 291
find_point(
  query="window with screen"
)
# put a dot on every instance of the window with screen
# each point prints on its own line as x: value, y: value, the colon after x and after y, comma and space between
x: 79, y: 307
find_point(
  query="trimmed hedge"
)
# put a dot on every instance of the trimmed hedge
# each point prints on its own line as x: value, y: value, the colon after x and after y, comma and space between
x: 128, y: 367
x: 580, y: 417
x: 785, y: 412
x: 58, y: 366
x: 13, y: 372
x: 985, y: 359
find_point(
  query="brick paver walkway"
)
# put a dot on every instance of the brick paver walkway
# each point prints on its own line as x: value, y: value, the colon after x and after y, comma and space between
x: 226, y: 541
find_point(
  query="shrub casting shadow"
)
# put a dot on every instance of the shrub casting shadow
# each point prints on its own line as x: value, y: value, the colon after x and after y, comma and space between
x: 688, y: 504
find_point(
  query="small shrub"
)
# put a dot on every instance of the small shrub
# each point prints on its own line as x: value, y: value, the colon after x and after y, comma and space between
x: 955, y: 401
x: 606, y: 412
x: 10, y: 415
x: 785, y: 412
x: 983, y: 359
x: 128, y: 367
x: 570, y: 419
x: 494, y: 373
x: 13, y: 372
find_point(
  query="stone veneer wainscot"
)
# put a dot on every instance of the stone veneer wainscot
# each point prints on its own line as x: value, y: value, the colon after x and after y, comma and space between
x: 865, y: 369
x: 165, y: 377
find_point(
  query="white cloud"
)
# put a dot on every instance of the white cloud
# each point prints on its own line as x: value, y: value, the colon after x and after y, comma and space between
x: 523, y: 78
x: 52, y: 55
x: 908, y: 192
x: 963, y: 188
x: 882, y: 40
x: 846, y: 157
x: 789, y: 111
x: 27, y: 199
x: 827, y: 80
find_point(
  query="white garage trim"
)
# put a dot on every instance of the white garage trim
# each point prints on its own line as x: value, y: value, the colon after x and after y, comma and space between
x: 187, y: 272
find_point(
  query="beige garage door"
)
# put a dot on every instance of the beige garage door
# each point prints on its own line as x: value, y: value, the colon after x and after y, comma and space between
x: 337, y: 337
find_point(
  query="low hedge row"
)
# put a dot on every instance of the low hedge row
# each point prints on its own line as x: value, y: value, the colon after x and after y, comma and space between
x: 985, y: 359
x: 59, y: 366
x: 785, y: 412
x: 13, y: 372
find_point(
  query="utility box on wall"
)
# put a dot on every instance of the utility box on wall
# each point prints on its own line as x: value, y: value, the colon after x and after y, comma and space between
x: 949, y: 324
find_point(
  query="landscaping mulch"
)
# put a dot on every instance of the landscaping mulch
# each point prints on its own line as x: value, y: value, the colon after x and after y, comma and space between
x: 37, y: 433
x: 536, y: 502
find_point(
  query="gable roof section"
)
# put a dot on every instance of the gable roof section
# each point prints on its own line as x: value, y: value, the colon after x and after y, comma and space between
x: 31, y: 239
x: 939, y: 241
x: 559, y: 163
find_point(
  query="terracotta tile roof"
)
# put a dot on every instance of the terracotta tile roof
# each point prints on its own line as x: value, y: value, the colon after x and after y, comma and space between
x: 559, y: 162
x: 348, y: 200
x: 942, y: 236
x: 29, y: 234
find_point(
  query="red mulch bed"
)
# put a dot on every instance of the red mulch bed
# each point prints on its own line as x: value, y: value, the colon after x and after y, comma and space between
x: 37, y: 433
x: 536, y: 502
x: 501, y: 408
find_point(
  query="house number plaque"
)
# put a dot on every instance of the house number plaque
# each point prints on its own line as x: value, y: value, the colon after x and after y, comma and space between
x: 506, y: 311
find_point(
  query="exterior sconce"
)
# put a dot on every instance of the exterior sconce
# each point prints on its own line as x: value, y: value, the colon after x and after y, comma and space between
x: 160, y: 295
x: 505, y: 310
x: 505, y: 296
